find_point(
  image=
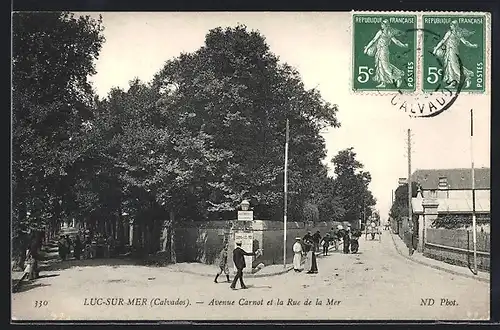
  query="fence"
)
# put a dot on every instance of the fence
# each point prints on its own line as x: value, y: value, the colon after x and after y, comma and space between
x: 455, y: 246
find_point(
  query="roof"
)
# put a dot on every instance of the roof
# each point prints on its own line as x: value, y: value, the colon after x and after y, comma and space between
x: 454, y: 205
x: 457, y: 178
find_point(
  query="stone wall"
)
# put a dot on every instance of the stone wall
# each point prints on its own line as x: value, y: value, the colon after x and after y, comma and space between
x: 202, y: 242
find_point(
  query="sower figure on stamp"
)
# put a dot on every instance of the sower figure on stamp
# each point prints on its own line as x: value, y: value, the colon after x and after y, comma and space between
x: 448, y: 50
x: 239, y: 261
x: 385, y: 71
x: 223, y: 267
x: 297, y: 257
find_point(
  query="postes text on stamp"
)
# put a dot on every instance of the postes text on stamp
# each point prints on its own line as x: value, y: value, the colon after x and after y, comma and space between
x: 453, y: 52
x: 384, y: 52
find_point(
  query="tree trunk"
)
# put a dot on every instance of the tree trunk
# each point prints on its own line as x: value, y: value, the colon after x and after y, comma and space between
x: 120, y: 235
x: 19, y: 243
x: 164, y: 235
x: 173, y: 256
x: 156, y: 235
x: 113, y: 226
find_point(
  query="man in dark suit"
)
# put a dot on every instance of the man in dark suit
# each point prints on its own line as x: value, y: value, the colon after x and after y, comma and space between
x: 239, y: 261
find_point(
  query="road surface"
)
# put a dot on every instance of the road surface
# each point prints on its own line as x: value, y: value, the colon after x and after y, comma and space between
x: 376, y: 284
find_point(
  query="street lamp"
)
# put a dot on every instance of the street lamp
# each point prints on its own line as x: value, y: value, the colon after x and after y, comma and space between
x: 245, y: 205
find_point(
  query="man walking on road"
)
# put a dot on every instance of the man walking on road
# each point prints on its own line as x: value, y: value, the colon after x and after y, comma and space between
x: 239, y: 261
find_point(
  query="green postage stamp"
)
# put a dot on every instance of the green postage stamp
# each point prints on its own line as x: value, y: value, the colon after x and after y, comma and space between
x: 453, y: 52
x: 384, y: 52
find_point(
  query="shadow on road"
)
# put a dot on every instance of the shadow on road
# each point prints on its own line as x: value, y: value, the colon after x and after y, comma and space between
x: 55, y: 264
x: 251, y: 286
x: 48, y: 275
x: 28, y: 286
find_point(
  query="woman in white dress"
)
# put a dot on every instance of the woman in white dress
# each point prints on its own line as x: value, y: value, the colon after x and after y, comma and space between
x: 448, y: 50
x: 297, y: 257
x: 385, y: 72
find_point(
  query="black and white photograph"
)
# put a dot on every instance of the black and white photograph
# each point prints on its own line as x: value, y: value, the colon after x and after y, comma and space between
x: 201, y: 166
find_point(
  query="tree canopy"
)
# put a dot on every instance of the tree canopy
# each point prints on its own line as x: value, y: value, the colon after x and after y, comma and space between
x: 52, y: 56
x: 206, y: 132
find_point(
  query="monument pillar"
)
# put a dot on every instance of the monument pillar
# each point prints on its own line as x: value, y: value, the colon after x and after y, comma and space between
x: 430, y: 214
x: 242, y: 232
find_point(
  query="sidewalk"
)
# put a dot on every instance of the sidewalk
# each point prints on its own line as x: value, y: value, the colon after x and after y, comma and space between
x: 196, y: 268
x: 417, y: 257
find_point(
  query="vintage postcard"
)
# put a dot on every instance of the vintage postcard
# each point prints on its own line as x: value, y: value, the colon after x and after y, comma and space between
x: 183, y: 166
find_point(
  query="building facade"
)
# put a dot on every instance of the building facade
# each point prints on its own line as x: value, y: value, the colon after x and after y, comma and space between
x: 445, y: 199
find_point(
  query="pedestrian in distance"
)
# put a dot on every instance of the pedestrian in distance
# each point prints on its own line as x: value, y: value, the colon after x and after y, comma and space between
x: 28, y: 272
x: 69, y: 243
x: 77, y: 252
x: 297, y: 257
x: 373, y: 230
x: 314, y: 263
x: 311, y: 265
x: 307, y: 248
x: 223, y: 267
x: 355, y: 235
x: 61, y: 247
x: 239, y: 262
x: 316, y: 239
x: 325, y: 243
x: 346, y: 239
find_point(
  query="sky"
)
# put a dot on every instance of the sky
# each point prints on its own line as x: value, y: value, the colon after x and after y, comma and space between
x: 319, y: 46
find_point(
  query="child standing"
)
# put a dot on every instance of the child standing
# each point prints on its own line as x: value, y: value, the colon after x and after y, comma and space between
x: 223, y: 267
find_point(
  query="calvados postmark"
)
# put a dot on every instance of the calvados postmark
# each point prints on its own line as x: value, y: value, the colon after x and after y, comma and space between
x: 453, y: 53
x: 384, y: 52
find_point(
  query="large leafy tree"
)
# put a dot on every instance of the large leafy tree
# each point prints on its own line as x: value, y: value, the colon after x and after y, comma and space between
x: 399, y: 207
x: 53, y: 54
x: 351, y: 186
x: 235, y: 93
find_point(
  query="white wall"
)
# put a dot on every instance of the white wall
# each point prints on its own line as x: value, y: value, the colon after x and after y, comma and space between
x: 456, y: 194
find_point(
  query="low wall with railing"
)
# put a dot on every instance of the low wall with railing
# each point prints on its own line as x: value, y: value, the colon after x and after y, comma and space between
x: 455, y: 246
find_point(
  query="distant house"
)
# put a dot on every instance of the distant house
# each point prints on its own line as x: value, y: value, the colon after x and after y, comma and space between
x: 452, y: 190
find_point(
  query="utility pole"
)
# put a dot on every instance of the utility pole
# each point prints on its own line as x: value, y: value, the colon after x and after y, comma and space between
x: 410, y: 218
x: 474, y: 231
x: 285, y: 212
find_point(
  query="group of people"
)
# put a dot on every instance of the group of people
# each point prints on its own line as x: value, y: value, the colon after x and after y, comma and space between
x: 65, y: 244
x: 85, y: 248
x: 308, y: 245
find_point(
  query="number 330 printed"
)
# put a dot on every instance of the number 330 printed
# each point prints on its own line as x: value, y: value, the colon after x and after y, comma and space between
x: 41, y: 303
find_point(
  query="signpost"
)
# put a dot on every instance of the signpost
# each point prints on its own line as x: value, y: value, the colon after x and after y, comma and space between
x: 245, y: 215
x: 244, y: 234
x: 246, y: 239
